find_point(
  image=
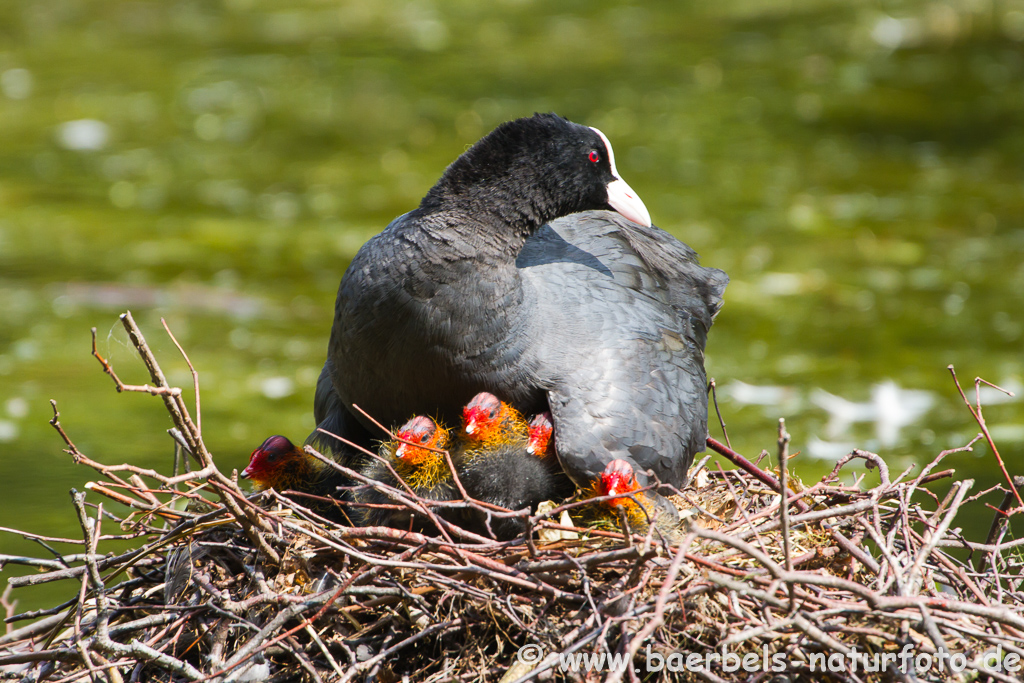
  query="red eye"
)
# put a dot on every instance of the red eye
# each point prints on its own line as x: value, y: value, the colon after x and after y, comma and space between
x: 594, y: 156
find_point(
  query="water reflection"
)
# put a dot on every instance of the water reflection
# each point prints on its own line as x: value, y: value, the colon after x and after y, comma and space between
x: 16, y: 84
x: 83, y: 135
x: 890, y: 409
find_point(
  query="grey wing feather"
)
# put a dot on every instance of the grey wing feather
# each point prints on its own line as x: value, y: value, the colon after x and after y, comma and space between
x: 631, y: 383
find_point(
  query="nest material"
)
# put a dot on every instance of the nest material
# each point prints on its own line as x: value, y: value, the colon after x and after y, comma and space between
x: 264, y: 588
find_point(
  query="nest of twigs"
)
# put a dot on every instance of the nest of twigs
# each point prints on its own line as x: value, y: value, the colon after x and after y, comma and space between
x: 843, y: 582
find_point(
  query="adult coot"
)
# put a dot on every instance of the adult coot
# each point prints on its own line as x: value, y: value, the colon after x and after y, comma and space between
x: 491, y: 285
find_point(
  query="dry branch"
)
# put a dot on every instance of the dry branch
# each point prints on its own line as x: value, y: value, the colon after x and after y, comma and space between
x: 262, y: 588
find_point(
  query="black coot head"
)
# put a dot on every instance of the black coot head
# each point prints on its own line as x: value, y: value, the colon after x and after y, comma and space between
x: 560, y: 165
x: 583, y: 162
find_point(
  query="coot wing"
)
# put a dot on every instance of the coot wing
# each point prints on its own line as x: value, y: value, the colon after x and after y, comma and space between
x: 623, y: 312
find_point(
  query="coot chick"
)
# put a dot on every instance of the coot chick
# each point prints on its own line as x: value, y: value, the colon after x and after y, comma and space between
x: 639, y: 509
x: 496, y: 467
x: 425, y: 471
x: 541, y: 443
x: 280, y: 464
x: 488, y: 421
x: 598, y: 317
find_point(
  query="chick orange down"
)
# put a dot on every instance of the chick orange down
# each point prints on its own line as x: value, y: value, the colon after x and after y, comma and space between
x: 541, y: 432
x: 640, y: 507
x: 424, y: 470
x: 496, y: 466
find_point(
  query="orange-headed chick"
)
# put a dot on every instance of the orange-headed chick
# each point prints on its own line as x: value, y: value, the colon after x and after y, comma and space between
x: 280, y: 464
x: 496, y: 466
x: 487, y: 421
x: 423, y: 469
x: 541, y: 444
x: 640, y: 508
x: 541, y: 432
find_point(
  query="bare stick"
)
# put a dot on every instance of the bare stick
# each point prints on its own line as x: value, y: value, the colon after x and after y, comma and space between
x: 751, y: 468
x: 784, y: 485
x: 979, y: 418
x: 1001, y: 520
x: 712, y: 386
x: 103, y: 639
x: 933, y: 537
x: 195, y: 375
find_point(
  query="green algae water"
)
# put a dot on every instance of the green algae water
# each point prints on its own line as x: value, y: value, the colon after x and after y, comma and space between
x: 856, y: 168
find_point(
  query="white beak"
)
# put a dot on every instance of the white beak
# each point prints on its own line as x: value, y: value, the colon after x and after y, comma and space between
x: 620, y: 195
x: 622, y: 198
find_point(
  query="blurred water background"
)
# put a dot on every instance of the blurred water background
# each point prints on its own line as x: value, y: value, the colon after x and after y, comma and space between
x: 856, y: 167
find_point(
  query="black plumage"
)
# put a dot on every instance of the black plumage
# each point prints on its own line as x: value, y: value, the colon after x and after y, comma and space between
x: 507, y: 476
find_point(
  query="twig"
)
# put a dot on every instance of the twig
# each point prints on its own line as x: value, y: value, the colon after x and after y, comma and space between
x: 195, y: 375
x: 933, y: 537
x: 751, y: 468
x: 659, y: 606
x: 713, y: 388
x: 980, y: 419
x: 203, y: 601
x: 1001, y: 520
x: 784, y: 494
x: 103, y: 641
